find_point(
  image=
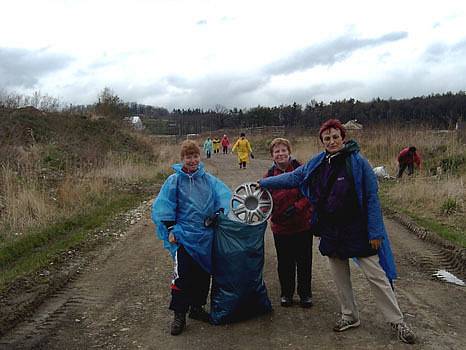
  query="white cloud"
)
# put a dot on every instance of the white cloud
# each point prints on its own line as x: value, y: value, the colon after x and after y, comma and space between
x: 197, y: 53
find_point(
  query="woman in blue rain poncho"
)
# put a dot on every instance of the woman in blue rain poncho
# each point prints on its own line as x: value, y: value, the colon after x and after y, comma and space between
x: 208, y: 147
x: 186, y: 199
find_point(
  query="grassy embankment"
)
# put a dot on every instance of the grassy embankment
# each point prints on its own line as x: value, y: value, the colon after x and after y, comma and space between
x: 434, y: 199
x: 61, y: 177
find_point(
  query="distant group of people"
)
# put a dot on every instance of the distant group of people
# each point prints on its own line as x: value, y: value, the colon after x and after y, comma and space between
x: 213, y: 145
x: 241, y: 147
x: 333, y: 196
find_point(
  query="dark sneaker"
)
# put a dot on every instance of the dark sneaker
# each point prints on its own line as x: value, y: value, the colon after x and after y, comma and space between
x: 404, y: 333
x: 198, y: 313
x: 343, y: 324
x: 286, y: 301
x: 178, y: 324
x: 306, y: 302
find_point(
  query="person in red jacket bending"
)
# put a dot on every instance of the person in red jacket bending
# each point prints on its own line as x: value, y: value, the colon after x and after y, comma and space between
x: 406, y: 159
x: 290, y: 221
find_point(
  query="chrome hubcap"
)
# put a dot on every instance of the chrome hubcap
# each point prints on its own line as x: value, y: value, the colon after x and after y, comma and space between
x: 251, y: 204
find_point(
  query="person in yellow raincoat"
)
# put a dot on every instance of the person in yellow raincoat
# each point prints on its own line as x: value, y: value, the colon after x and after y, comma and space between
x: 243, y: 149
x: 216, y: 143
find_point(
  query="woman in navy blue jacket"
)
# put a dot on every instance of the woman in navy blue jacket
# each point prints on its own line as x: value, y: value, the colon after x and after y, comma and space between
x: 347, y: 217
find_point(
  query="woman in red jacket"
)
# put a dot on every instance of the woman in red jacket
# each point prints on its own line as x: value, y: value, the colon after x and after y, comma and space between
x: 291, y: 230
x: 225, y: 144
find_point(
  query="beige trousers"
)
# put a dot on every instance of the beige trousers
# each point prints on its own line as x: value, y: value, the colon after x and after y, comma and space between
x: 385, y: 298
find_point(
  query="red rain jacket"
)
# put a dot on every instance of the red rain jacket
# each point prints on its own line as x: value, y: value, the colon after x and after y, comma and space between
x: 283, y: 199
x: 405, y: 158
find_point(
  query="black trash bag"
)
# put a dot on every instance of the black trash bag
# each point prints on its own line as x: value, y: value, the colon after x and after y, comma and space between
x: 238, y: 288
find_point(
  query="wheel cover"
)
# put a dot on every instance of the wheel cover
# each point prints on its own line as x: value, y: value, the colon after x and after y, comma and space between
x: 251, y: 204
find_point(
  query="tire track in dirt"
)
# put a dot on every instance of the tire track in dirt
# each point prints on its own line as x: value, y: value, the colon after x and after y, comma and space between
x: 439, y: 253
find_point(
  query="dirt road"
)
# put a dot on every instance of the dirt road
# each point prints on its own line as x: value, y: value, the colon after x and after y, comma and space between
x: 119, y: 301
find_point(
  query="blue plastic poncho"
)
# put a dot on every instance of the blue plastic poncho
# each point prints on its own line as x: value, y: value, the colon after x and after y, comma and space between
x: 238, y: 288
x: 188, y: 199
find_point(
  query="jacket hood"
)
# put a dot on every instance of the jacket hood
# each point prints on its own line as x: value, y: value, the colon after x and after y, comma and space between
x: 178, y: 167
x: 351, y: 146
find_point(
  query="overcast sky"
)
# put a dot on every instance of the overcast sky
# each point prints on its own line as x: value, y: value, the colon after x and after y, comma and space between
x: 199, y: 53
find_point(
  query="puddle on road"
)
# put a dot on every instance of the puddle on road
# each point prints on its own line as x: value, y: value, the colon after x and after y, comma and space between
x: 446, y: 276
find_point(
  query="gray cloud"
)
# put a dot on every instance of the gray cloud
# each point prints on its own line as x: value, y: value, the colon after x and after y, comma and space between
x: 241, y: 90
x: 23, y: 68
x: 252, y: 90
x: 438, y: 52
x: 328, y: 53
x: 212, y: 90
x: 435, y: 52
x: 459, y: 47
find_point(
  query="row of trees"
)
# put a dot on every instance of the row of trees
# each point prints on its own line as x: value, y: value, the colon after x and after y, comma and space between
x: 436, y: 110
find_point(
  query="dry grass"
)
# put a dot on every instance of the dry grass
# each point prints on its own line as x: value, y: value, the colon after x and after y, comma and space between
x: 30, y: 198
x: 430, y: 195
x: 23, y: 203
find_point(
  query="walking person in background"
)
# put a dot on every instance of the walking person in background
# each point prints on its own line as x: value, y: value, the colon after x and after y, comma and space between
x: 186, y: 199
x: 406, y: 159
x: 225, y: 144
x: 291, y: 230
x: 216, y: 144
x: 342, y: 188
x: 243, y: 149
x: 208, y: 145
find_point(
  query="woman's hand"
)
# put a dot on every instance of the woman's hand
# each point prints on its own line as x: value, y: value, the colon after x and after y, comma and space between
x: 171, y: 238
x: 375, y: 243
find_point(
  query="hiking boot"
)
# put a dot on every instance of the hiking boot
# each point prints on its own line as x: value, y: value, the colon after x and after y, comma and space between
x: 178, y: 324
x: 344, y: 324
x: 306, y: 302
x: 404, y: 333
x: 286, y: 301
x: 198, y: 313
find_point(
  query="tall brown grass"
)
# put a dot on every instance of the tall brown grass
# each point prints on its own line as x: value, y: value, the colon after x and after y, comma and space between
x: 24, y: 203
x: 31, y: 197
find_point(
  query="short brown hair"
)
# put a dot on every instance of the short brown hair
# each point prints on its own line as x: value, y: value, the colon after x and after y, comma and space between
x: 279, y: 141
x: 332, y: 124
x: 189, y: 147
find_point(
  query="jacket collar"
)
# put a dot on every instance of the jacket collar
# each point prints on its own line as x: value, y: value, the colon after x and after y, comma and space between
x: 178, y: 167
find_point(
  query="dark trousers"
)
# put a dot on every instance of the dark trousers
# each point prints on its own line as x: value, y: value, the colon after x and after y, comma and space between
x: 403, y: 166
x: 225, y: 149
x: 208, y: 154
x: 190, y: 285
x: 294, y: 256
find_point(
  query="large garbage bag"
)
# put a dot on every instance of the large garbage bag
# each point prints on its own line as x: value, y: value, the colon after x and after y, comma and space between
x: 238, y: 288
